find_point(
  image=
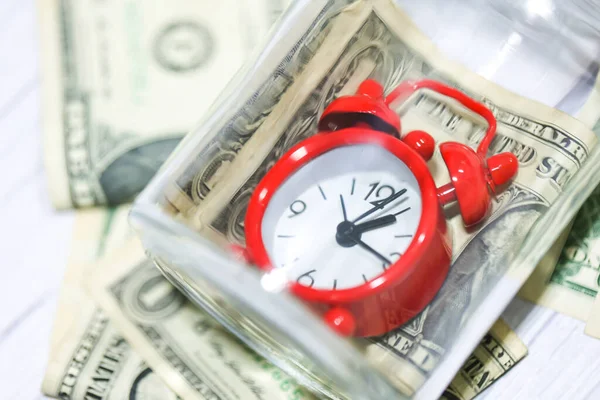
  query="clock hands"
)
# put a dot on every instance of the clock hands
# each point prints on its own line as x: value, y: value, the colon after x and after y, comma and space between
x: 375, y: 224
x: 353, y: 228
x: 380, y: 222
x: 343, y: 207
x: 380, y: 205
x: 369, y: 249
x: 348, y: 233
x: 348, y: 230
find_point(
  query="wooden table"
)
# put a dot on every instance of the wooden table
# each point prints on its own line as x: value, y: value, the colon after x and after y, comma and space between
x: 562, y: 363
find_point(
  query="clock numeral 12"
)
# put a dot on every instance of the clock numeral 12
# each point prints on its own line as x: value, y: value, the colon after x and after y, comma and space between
x: 380, y: 189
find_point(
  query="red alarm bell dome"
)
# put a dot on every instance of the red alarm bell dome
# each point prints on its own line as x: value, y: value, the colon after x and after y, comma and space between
x: 472, y: 181
x: 468, y: 178
x: 366, y: 107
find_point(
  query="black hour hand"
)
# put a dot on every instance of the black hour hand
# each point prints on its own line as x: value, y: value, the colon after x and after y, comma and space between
x: 375, y: 223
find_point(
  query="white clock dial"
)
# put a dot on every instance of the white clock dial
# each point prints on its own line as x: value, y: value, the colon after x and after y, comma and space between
x: 343, y: 218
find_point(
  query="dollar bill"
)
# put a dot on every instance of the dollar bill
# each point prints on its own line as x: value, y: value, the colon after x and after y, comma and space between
x: 499, y: 350
x: 374, y: 39
x: 196, y: 356
x: 567, y: 279
x: 589, y: 253
x: 123, y: 81
x: 185, y: 344
x: 89, y: 359
x: 592, y: 327
x: 225, y: 135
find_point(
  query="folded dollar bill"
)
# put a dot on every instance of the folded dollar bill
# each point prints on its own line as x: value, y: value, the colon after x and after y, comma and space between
x: 568, y: 277
x: 87, y: 345
x: 85, y: 348
x: 499, y: 350
x: 123, y: 82
x: 185, y: 346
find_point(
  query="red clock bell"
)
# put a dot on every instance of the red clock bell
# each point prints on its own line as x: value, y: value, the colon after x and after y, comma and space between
x: 353, y: 219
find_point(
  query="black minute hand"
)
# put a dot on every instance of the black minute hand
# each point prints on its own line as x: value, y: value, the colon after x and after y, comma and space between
x: 370, y: 249
x: 380, y: 205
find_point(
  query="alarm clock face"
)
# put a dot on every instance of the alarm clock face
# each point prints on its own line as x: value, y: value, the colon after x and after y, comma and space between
x: 343, y: 218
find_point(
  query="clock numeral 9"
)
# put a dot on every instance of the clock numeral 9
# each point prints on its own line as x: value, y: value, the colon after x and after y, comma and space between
x: 297, y: 208
x: 395, y: 256
x: 306, y: 279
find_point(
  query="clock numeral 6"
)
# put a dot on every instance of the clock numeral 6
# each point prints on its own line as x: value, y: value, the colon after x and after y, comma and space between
x: 297, y: 208
x: 306, y: 279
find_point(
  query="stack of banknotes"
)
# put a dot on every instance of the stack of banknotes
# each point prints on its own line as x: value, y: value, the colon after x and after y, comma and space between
x: 124, y: 81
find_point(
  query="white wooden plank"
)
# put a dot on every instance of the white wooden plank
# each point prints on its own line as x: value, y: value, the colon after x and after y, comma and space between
x: 23, y: 354
x: 19, y: 49
x: 563, y: 363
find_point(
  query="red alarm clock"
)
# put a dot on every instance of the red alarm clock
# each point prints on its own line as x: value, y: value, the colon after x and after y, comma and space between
x: 352, y: 216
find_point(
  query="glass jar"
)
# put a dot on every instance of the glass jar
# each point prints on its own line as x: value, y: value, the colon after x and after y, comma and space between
x: 193, y: 220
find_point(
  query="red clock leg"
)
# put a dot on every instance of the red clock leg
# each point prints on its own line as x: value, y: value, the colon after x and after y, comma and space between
x: 240, y: 253
x: 340, y: 320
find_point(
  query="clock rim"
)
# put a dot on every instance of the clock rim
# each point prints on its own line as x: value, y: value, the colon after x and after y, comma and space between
x: 313, y: 147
